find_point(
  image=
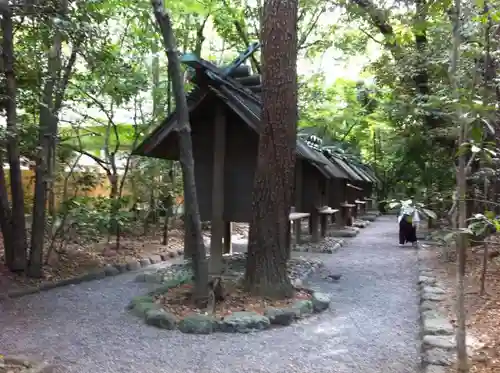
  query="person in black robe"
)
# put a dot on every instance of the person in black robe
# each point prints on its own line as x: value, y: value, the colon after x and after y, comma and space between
x: 408, y: 220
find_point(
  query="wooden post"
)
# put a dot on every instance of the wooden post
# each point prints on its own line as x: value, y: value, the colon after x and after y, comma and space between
x: 346, y: 216
x: 297, y: 224
x: 349, y: 216
x: 298, y: 186
x: 354, y: 210
x: 288, y: 240
x: 342, y: 222
x: 313, y: 225
x: 297, y: 227
x: 324, y: 224
x: 228, y: 232
x: 217, y: 226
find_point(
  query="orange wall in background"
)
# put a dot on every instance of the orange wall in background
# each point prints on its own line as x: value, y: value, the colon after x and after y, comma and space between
x: 101, y: 189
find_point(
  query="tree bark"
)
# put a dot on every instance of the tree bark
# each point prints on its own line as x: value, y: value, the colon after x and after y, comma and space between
x: 5, y: 215
x: 18, y: 243
x: 266, y: 271
x: 47, y: 132
x: 189, y: 244
x: 462, y: 363
x: 192, y: 215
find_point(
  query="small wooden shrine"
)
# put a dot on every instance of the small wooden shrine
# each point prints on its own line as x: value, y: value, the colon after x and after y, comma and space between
x: 224, y: 110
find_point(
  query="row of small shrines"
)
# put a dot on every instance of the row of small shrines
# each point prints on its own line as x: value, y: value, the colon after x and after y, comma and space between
x: 225, y: 124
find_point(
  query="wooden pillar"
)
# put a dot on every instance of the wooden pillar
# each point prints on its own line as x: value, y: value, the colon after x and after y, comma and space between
x: 288, y: 242
x: 346, y: 214
x: 358, y: 209
x: 349, y: 216
x: 228, y: 233
x: 217, y: 226
x: 313, y: 225
x: 342, y: 222
x: 324, y: 224
x: 298, y: 186
x: 297, y: 227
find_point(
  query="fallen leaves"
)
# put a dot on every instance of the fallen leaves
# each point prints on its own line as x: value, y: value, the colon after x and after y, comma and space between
x: 77, y: 259
x: 178, y: 301
x: 483, y: 312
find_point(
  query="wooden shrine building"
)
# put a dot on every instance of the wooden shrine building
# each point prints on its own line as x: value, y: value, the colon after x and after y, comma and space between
x: 224, y: 110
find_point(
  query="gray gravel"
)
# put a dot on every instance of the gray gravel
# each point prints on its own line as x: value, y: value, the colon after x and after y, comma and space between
x: 371, y: 326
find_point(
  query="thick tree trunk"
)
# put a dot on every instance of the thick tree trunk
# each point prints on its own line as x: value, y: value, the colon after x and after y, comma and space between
x: 192, y: 215
x: 18, y: 243
x: 266, y: 272
x: 47, y: 134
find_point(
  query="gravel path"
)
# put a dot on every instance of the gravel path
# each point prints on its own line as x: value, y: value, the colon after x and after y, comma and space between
x: 371, y: 328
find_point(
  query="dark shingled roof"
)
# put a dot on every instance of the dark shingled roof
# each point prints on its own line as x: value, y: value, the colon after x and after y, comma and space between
x: 247, y: 105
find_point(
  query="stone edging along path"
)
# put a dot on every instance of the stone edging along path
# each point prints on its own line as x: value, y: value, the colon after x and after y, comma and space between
x: 22, y: 364
x: 97, y: 274
x: 238, y: 322
x: 437, y: 333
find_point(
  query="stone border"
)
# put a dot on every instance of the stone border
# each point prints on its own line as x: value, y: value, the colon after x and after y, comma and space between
x: 29, y: 365
x: 437, y: 334
x: 306, y: 247
x: 108, y: 270
x: 238, y: 322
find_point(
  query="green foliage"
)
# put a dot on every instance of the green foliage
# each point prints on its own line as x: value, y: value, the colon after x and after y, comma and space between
x: 91, y: 217
x: 482, y: 225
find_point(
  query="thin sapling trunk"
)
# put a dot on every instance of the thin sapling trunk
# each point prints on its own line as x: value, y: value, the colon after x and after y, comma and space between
x: 192, y: 215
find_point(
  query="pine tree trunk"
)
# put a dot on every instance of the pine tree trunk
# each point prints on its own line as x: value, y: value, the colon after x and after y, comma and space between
x: 18, y: 243
x: 191, y: 210
x: 266, y: 272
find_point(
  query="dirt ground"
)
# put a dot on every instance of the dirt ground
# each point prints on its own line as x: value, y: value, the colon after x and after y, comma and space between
x: 483, y: 311
x: 178, y: 301
x: 77, y: 258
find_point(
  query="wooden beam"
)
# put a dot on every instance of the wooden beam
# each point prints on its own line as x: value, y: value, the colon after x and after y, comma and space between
x: 228, y: 234
x: 298, y: 185
x: 298, y: 200
x: 217, y: 226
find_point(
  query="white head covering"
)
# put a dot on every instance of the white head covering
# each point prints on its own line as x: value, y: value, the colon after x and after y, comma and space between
x: 407, y: 209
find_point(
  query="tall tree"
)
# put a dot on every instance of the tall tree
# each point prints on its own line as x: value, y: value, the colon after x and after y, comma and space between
x: 192, y: 213
x: 13, y: 221
x: 266, y: 272
x: 47, y: 134
x: 461, y: 173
